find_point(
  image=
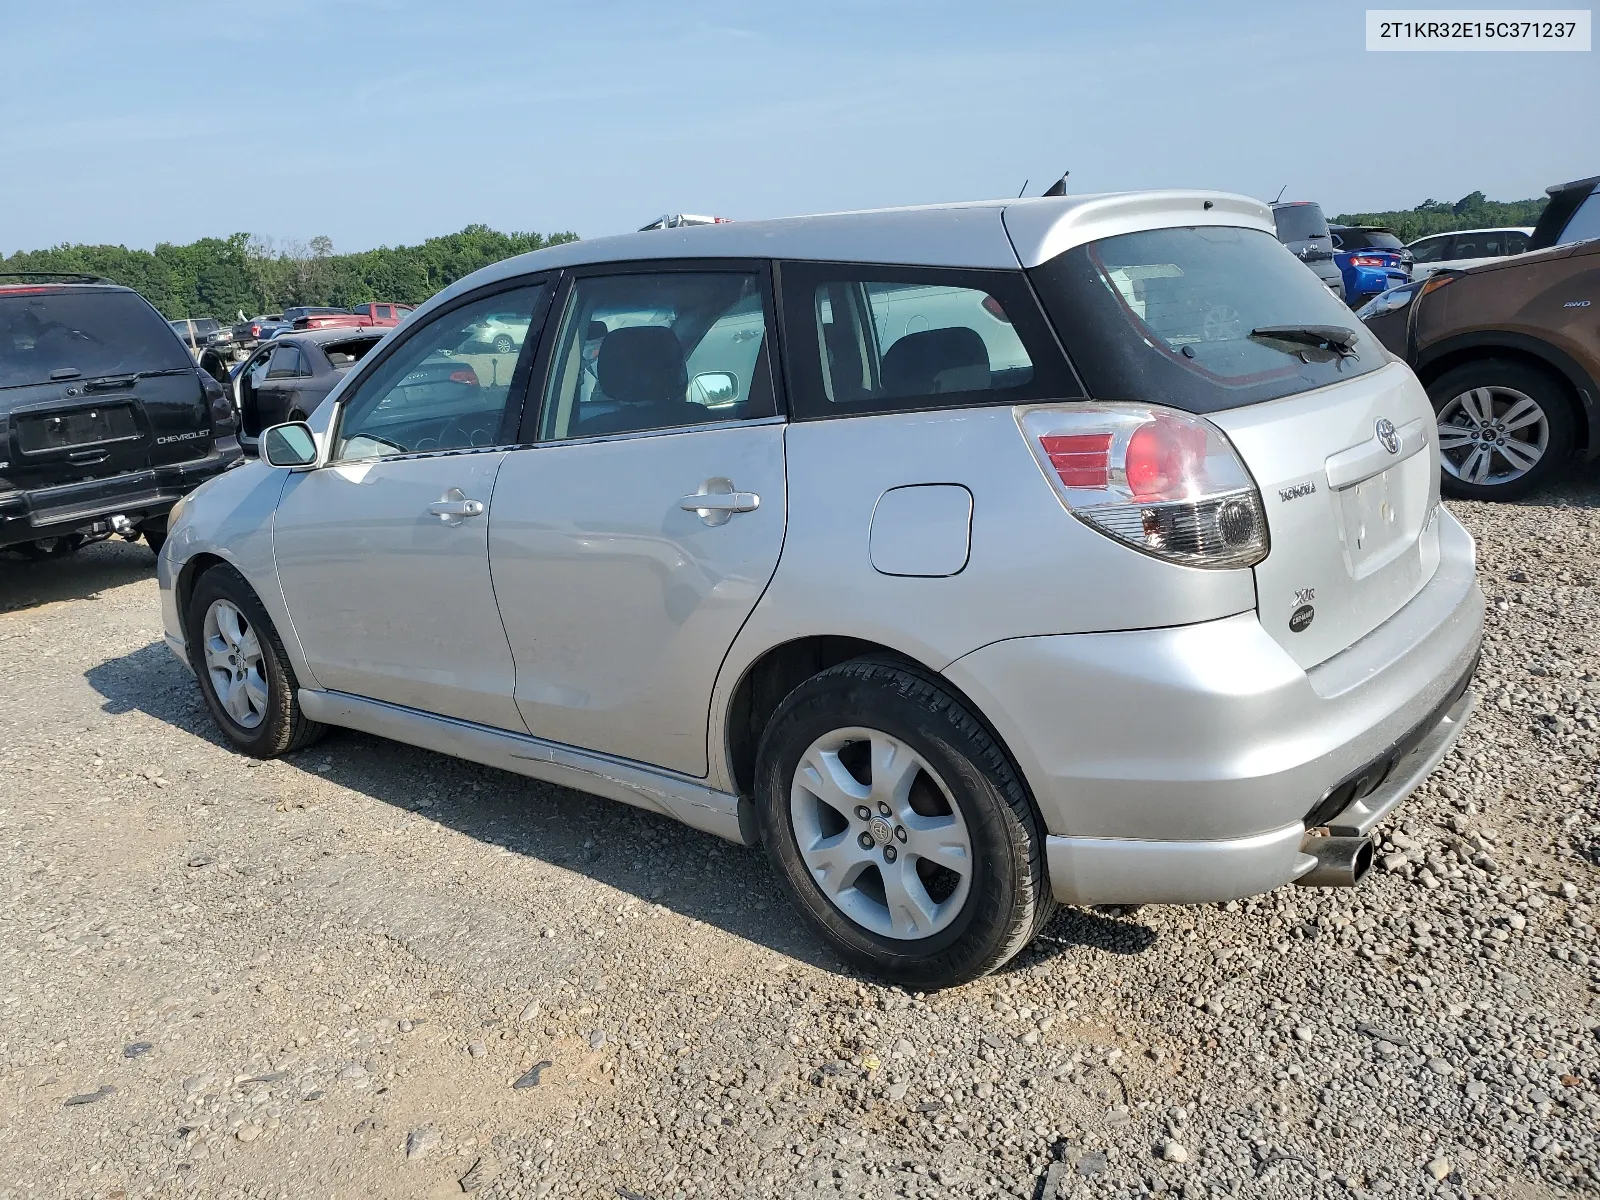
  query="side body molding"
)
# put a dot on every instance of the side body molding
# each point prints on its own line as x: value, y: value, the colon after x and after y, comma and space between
x: 676, y: 796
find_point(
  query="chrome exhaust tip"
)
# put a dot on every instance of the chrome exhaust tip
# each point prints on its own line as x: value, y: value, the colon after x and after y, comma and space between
x: 1341, y: 861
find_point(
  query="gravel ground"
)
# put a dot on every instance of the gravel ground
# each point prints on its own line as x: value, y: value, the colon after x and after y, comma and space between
x: 372, y: 971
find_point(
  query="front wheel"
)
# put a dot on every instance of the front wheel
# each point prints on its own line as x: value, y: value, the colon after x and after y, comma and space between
x: 245, y: 675
x: 503, y: 344
x: 1505, y: 428
x: 898, y: 826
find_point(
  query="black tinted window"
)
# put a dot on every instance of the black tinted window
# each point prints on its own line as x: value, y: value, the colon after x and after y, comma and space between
x: 890, y: 339
x: 94, y: 333
x: 1431, y: 250
x: 285, y: 363
x: 1366, y: 239
x: 1297, y: 222
x: 1170, y: 316
x: 1516, y: 242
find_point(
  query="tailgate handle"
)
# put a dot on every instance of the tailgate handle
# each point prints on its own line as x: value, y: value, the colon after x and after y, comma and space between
x: 1372, y: 457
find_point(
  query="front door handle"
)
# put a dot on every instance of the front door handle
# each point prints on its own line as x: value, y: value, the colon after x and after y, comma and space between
x: 717, y: 501
x: 455, y: 507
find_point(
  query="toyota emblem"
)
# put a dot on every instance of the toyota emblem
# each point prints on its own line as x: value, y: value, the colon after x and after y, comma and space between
x: 1387, y: 435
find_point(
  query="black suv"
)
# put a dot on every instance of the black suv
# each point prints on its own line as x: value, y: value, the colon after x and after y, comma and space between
x: 108, y: 421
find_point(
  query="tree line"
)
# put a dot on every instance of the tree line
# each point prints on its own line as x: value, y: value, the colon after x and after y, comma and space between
x: 219, y: 277
x: 1474, y: 211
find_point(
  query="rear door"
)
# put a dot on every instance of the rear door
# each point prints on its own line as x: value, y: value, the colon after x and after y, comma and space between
x: 631, y: 542
x: 93, y: 383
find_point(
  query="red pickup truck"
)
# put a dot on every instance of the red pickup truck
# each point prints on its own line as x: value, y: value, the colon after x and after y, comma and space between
x: 380, y: 316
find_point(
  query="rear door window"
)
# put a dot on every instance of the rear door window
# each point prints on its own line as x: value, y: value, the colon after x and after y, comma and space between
x: 893, y: 339
x: 1516, y: 242
x: 1185, y: 317
x: 285, y: 363
x: 95, y: 333
x: 1430, y: 250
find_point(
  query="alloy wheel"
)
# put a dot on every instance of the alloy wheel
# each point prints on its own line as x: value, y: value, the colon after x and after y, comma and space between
x: 881, y: 834
x: 1492, y: 435
x: 234, y: 665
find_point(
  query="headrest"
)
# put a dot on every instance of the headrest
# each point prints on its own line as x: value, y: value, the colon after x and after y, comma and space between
x: 642, y: 364
x: 935, y: 361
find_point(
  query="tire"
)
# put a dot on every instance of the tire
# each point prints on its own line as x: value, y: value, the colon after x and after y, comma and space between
x: 503, y: 344
x: 1477, y: 405
x: 268, y: 722
x: 155, y: 539
x: 957, y: 789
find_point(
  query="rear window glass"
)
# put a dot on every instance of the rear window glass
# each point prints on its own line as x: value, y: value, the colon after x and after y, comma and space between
x: 1297, y: 222
x: 1369, y: 239
x: 93, y: 333
x: 342, y: 354
x: 1174, y: 316
x: 889, y: 339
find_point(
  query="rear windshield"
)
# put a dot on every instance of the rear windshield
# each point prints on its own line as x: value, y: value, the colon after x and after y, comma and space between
x: 343, y: 354
x: 93, y: 333
x: 1297, y: 222
x: 1370, y: 239
x: 1169, y: 316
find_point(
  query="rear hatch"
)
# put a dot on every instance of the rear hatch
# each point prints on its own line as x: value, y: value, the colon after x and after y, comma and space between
x: 93, y: 383
x: 1225, y: 323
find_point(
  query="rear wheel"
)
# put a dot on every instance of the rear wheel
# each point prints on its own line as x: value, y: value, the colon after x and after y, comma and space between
x: 1505, y: 428
x: 898, y: 826
x: 503, y: 343
x: 245, y: 675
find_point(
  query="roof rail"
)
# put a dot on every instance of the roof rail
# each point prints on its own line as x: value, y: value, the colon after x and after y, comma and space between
x: 64, y: 276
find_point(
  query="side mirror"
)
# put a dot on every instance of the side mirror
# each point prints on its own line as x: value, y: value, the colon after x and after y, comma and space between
x: 714, y: 389
x: 290, y: 445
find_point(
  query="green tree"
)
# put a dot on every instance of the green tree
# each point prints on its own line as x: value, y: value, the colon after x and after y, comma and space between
x: 219, y: 277
x: 1472, y: 211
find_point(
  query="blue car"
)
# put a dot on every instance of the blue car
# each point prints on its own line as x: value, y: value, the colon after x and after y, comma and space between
x: 1370, y: 261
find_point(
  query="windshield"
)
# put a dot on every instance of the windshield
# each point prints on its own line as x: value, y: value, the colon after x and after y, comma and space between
x: 1169, y: 316
x: 1298, y: 222
x: 94, y: 333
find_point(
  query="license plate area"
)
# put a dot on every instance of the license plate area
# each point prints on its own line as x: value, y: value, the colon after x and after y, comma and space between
x: 1381, y: 516
x: 78, y: 428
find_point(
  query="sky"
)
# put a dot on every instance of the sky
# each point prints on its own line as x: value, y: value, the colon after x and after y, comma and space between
x: 382, y: 122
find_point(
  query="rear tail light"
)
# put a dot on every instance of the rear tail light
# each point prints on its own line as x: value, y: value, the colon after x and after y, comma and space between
x: 1161, y: 481
x: 464, y: 375
x: 995, y: 309
x: 1367, y: 260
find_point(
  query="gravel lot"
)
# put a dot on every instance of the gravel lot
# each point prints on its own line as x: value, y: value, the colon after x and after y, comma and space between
x: 372, y: 971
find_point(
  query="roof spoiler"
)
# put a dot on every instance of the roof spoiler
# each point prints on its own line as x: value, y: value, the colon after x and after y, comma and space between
x: 61, y: 276
x: 1564, y: 201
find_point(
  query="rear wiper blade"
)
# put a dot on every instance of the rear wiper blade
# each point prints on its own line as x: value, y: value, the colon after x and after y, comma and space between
x: 1333, y: 337
x: 107, y: 383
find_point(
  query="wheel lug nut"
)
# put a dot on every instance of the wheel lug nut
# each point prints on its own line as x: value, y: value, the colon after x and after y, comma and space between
x: 900, y: 833
x: 863, y: 812
x: 890, y: 854
x: 866, y: 841
x: 883, y: 808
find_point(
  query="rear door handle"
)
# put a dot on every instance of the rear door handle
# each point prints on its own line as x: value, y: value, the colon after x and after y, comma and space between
x: 455, y: 507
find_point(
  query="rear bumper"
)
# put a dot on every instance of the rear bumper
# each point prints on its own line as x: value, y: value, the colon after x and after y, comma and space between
x: 1182, y: 764
x: 137, y: 495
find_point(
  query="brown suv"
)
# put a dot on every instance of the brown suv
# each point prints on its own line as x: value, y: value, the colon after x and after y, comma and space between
x: 1510, y: 354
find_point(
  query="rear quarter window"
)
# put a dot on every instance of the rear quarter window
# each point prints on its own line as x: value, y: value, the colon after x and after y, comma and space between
x: 877, y: 339
x: 92, y: 332
x: 1167, y: 316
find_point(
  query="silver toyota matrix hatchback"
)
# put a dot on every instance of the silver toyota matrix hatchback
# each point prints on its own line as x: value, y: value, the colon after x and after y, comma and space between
x: 972, y: 558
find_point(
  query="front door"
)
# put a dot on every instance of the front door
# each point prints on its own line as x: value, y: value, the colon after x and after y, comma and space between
x: 383, y: 552
x: 630, y: 544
